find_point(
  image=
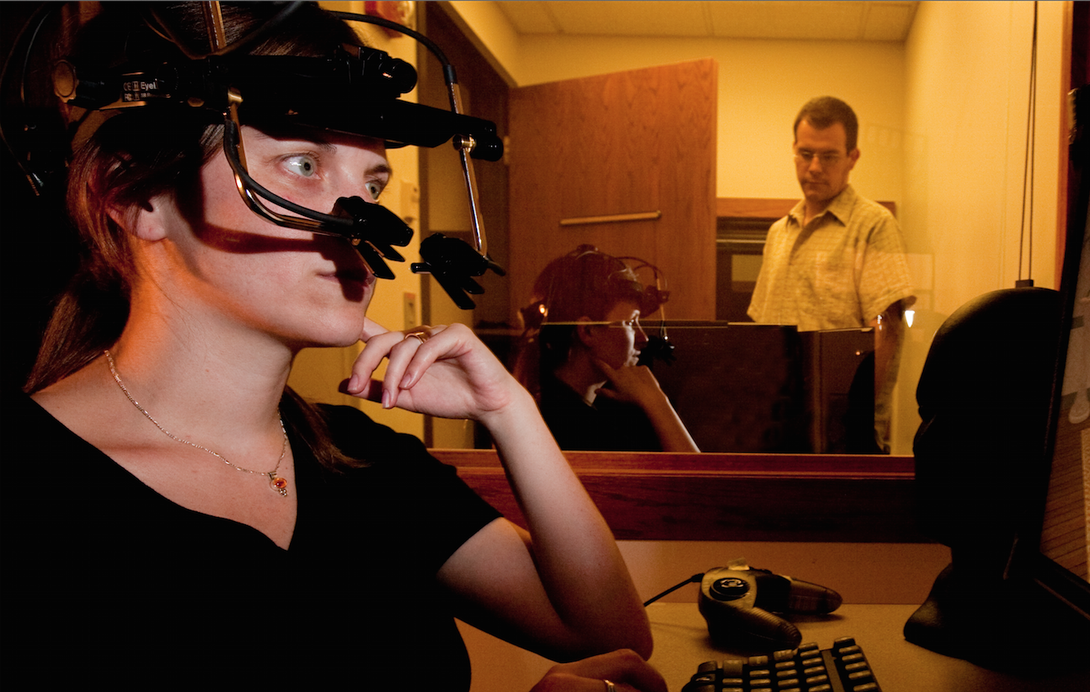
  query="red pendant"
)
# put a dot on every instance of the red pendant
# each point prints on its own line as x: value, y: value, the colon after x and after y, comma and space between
x: 279, y: 484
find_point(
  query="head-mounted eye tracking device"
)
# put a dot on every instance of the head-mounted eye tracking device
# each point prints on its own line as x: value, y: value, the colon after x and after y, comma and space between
x: 356, y: 90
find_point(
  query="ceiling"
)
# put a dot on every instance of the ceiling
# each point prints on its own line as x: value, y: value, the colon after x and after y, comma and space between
x: 844, y: 21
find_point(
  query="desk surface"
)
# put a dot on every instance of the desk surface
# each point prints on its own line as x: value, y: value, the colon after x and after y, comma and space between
x: 682, y: 643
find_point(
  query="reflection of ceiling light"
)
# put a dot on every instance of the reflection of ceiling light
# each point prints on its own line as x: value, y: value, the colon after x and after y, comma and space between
x: 909, y: 314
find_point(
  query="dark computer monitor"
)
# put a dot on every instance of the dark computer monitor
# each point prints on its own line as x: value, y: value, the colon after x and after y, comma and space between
x: 1003, y: 465
x: 1058, y: 545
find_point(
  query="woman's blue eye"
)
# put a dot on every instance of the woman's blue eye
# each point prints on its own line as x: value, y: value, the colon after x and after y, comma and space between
x: 304, y: 165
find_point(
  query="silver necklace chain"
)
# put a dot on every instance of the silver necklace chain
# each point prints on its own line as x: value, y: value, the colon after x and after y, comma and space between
x: 278, y: 483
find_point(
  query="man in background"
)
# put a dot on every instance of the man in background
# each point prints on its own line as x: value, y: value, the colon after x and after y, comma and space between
x: 837, y: 261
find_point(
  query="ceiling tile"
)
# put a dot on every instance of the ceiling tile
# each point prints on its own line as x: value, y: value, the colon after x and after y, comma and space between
x: 788, y: 20
x: 630, y: 18
x: 529, y: 17
x: 849, y: 21
x: 889, y: 21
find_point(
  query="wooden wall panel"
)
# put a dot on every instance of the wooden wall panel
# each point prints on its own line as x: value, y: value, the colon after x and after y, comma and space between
x: 623, y: 143
x: 729, y: 497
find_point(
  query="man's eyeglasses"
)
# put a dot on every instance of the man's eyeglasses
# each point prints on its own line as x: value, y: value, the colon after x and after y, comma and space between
x: 825, y: 158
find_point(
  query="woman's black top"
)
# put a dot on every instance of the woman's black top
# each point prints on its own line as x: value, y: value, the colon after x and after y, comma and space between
x: 105, y: 579
x: 605, y: 426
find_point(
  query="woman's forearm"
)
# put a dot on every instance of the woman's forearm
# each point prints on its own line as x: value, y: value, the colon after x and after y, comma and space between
x: 672, y: 433
x: 576, y: 555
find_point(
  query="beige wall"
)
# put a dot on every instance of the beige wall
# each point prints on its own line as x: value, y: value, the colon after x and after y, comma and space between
x: 942, y: 133
x: 967, y: 95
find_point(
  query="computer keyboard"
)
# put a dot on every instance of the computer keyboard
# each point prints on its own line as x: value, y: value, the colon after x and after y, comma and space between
x: 842, y: 668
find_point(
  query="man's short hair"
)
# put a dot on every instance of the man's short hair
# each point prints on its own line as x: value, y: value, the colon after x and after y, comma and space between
x: 823, y: 112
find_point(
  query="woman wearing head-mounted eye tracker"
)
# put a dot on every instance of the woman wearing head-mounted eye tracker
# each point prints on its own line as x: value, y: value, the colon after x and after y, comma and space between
x: 580, y: 357
x: 170, y: 506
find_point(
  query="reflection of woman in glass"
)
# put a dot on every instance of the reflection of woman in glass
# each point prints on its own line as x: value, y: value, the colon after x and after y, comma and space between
x: 579, y: 357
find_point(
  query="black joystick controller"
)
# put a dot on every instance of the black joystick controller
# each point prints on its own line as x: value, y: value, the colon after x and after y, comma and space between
x: 738, y: 603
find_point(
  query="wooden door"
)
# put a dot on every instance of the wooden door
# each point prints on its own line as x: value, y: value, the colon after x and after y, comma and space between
x: 629, y: 143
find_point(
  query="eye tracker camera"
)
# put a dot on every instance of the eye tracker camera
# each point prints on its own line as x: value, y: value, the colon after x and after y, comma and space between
x: 355, y: 91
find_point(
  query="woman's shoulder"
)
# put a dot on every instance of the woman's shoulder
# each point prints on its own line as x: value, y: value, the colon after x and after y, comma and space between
x: 17, y: 407
x: 28, y: 420
x: 47, y: 465
x: 85, y: 402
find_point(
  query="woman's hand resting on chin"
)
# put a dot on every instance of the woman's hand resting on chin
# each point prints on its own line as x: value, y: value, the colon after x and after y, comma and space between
x: 446, y: 371
x: 635, y: 384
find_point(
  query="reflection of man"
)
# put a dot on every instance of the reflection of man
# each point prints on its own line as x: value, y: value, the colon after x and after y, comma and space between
x: 837, y: 260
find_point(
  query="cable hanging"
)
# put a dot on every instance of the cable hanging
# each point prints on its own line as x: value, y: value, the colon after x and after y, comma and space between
x: 1026, y: 245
